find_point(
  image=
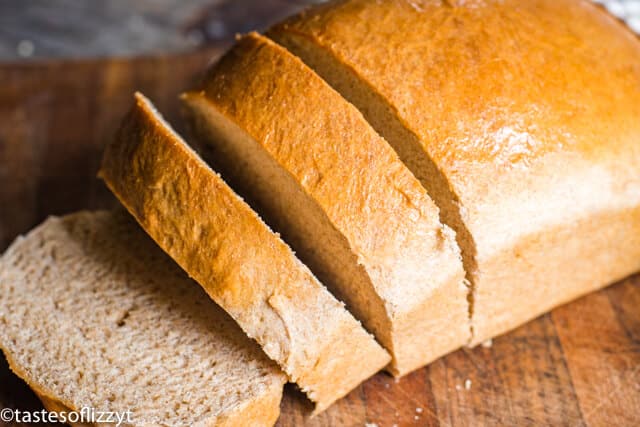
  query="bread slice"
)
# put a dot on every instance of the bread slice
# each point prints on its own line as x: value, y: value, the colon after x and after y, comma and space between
x: 340, y: 195
x: 520, y: 119
x: 223, y: 244
x: 93, y: 314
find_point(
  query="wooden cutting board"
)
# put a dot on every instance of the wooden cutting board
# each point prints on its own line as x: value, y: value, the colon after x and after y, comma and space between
x: 579, y: 365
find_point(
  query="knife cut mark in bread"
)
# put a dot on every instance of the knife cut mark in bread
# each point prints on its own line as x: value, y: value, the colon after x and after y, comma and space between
x: 339, y: 194
x: 520, y: 118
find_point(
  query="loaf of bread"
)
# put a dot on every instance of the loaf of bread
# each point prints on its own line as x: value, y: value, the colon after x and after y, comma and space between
x: 222, y: 243
x: 94, y: 315
x: 450, y: 169
x: 340, y: 196
x: 520, y: 118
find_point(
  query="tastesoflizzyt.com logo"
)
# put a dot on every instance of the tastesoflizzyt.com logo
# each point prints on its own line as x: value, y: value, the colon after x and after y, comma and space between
x: 85, y: 415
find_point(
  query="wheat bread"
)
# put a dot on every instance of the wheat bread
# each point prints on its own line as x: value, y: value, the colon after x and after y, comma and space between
x: 93, y: 314
x: 340, y: 196
x: 223, y: 244
x: 521, y: 120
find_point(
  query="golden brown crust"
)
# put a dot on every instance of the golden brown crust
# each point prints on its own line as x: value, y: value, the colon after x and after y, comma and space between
x: 540, y: 69
x: 263, y: 412
x: 529, y: 109
x: 54, y: 405
x: 602, y: 248
x: 216, y: 237
x: 357, y: 180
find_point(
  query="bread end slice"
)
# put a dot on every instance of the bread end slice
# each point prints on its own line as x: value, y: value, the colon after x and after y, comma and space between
x: 93, y: 314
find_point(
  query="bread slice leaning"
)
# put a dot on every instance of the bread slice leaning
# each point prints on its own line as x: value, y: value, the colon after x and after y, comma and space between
x: 339, y: 194
x: 223, y: 244
x: 521, y: 120
x: 93, y: 314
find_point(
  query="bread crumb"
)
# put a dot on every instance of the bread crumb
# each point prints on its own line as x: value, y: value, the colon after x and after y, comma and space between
x: 467, y: 384
x: 417, y: 417
x: 487, y: 344
x: 419, y: 410
x: 386, y: 385
x: 25, y: 48
x: 370, y: 425
x: 458, y: 387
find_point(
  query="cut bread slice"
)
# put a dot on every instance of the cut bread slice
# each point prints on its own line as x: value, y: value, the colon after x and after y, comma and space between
x: 94, y: 315
x: 339, y: 194
x: 520, y: 119
x: 223, y: 244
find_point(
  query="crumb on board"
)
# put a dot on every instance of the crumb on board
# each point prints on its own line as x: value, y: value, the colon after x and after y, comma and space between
x: 488, y: 343
x: 467, y: 384
x: 370, y: 425
x: 419, y: 410
x: 25, y: 48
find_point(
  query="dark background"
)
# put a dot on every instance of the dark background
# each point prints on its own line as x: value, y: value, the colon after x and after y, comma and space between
x: 38, y: 29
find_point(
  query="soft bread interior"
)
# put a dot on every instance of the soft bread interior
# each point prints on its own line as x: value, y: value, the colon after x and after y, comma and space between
x: 94, y: 314
x: 381, y: 116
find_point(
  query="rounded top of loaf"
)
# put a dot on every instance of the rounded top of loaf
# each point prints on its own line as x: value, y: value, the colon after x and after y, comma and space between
x: 490, y: 80
x: 506, y: 96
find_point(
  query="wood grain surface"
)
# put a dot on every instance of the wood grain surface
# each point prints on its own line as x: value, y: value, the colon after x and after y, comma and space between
x: 579, y: 365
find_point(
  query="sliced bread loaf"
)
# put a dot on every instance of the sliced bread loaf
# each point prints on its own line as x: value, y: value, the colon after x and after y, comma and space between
x: 223, y: 244
x: 521, y: 120
x: 339, y: 194
x: 94, y: 315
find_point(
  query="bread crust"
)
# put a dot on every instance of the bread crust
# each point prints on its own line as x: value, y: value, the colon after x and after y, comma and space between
x: 217, y: 238
x: 47, y: 398
x: 261, y: 412
x: 528, y: 112
x: 368, y: 196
